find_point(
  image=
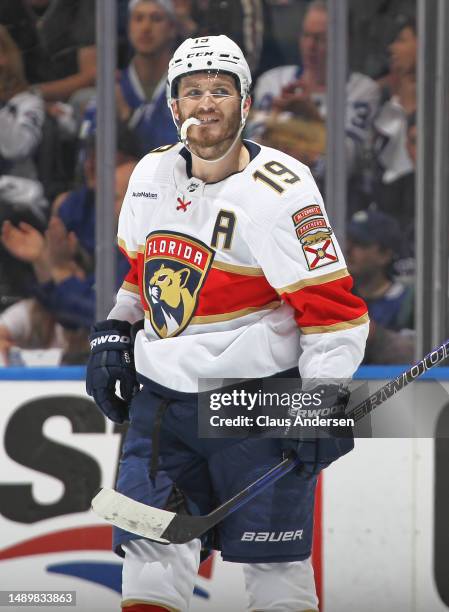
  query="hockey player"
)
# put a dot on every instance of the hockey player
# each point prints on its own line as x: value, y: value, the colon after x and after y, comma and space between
x: 237, y: 274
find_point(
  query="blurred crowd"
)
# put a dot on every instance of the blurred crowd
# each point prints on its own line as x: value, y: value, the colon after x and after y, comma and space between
x: 47, y: 146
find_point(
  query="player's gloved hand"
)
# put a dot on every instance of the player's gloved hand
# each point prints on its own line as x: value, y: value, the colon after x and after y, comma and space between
x: 331, y: 442
x: 111, y: 360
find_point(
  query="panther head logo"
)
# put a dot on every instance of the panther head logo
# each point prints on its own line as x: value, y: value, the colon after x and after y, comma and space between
x: 175, y: 269
x: 168, y: 290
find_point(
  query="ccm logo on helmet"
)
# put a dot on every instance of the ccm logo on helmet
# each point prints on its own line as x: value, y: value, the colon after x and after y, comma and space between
x: 200, y: 54
x: 271, y: 536
x: 109, y: 338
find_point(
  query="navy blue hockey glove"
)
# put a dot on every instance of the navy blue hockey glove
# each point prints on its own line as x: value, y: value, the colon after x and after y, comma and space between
x: 111, y: 360
x: 331, y: 442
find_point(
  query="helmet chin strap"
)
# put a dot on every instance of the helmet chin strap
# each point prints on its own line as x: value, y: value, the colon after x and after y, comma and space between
x: 184, y: 139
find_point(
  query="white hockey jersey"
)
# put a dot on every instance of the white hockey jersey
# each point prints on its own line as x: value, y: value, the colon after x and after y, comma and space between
x: 391, y: 141
x: 362, y: 98
x: 21, y: 121
x: 242, y: 278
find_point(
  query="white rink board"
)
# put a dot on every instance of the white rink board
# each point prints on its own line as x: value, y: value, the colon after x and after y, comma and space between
x: 368, y: 528
x: 377, y: 522
x: 224, y: 588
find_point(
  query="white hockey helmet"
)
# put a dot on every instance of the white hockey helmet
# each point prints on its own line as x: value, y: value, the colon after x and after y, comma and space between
x: 209, y: 53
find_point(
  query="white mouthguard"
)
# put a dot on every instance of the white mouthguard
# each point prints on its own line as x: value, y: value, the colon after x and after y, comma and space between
x: 185, y: 126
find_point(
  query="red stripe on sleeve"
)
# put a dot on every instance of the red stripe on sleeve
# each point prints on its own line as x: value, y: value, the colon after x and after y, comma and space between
x: 326, y: 304
x: 132, y: 276
x: 225, y: 292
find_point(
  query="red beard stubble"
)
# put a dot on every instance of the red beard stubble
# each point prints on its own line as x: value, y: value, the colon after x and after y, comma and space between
x: 203, y: 138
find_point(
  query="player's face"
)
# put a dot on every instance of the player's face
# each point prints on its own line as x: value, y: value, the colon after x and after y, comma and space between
x: 215, y: 101
x: 150, y: 28
x: 403, y: 52
x: 313, y: 40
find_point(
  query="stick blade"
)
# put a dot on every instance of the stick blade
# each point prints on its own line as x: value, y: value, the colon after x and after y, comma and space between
x: 132, y: 515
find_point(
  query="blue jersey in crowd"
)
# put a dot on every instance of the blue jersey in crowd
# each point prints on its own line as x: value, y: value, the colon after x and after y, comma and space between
x: 151, y: 120
x: 394, y: 310
x: 73, y: 300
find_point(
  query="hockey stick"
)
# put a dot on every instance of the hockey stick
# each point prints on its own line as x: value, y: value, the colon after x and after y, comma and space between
x: 170, y: 528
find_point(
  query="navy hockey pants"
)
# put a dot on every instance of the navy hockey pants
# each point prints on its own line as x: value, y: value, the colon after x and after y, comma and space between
x: 275, y: 526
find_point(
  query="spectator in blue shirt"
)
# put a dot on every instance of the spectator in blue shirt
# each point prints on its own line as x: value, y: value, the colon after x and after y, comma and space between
x: 141, y: 96
x: 140, y: 93
x: 63, y: 257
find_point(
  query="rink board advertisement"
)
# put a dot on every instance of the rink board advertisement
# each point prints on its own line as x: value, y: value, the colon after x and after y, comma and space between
x: 383, y: 524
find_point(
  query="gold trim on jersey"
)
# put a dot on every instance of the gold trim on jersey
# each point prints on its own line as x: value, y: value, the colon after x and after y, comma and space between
x: 122, y: 244
x: 218, y: 265
x: 163, y: 148
x: 228, y: 316
x: 130, y: 287
x: 316, y: 280
x: 324, y: 329
x: 235, y: 269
